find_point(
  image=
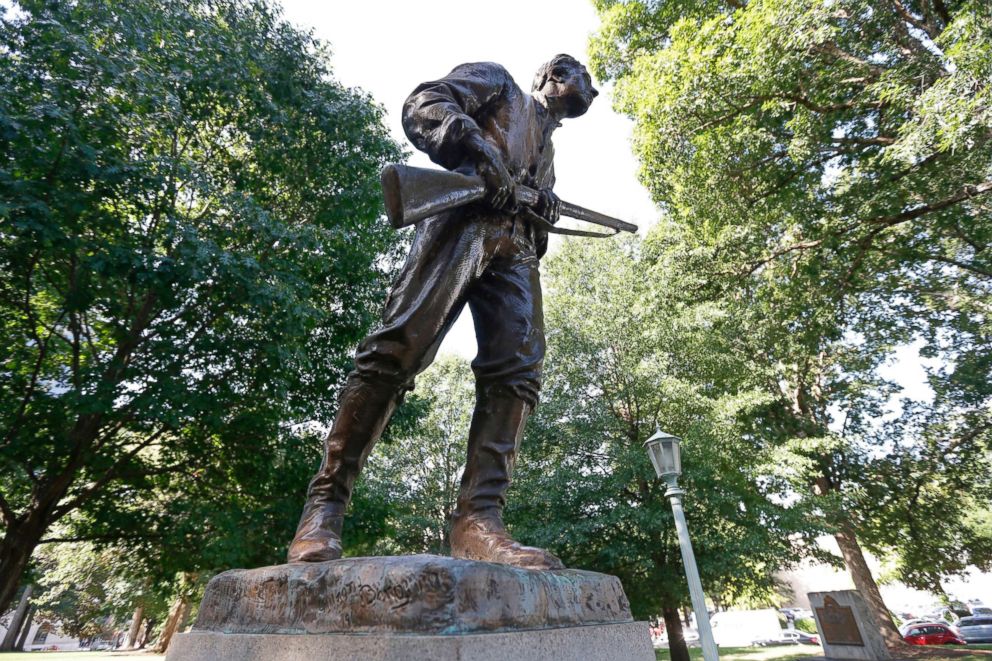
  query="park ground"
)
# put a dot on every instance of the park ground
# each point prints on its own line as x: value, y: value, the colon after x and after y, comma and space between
x: 79, y: 656
x: 789, y: 653
x: 726, y: 654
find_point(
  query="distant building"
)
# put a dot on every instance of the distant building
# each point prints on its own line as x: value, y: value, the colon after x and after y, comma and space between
x: 43, y: 636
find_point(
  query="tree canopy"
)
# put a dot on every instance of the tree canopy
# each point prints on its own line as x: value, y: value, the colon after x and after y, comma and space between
x: 826, y: 167
x: 628, y: 356
x: 190, y: 247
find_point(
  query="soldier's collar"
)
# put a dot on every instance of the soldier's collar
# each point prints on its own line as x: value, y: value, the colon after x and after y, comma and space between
x: 546, y: 119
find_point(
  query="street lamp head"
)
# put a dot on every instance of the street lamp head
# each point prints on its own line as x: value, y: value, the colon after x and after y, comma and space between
x: 664, y: 452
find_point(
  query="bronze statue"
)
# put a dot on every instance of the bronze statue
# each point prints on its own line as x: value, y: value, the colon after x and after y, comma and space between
x: 475, y: 120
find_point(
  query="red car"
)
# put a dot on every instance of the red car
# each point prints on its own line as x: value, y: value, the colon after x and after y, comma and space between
x: 932, y: 633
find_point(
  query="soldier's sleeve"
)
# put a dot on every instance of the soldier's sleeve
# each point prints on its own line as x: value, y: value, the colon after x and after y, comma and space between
x: 545, y: 179
x: 439, y: 115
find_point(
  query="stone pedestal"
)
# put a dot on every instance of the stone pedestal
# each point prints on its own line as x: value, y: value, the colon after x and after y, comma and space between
x: 847, y: 627
x: 412, y: 607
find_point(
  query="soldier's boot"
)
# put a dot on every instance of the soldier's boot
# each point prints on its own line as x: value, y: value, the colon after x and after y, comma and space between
x: 318, y: 535
x: 477, y: 531
x: 364, y: 410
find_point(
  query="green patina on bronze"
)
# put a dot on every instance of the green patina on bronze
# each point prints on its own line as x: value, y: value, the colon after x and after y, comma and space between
x: 419, y: 594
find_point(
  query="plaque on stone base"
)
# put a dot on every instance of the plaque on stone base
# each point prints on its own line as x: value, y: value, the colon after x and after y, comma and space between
x: 412, y: 607
x: 847, y: 627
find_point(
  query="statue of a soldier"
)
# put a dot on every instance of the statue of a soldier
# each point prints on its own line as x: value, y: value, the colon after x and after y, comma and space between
x: 486, y: 255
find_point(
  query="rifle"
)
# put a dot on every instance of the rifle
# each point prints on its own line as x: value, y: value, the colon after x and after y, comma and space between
x: 413, y: 194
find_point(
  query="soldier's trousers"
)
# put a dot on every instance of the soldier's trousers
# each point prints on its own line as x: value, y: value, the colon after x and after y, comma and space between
x: 488, y: 263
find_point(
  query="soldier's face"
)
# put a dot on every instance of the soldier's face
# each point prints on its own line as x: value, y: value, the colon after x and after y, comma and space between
x: 570, y: 86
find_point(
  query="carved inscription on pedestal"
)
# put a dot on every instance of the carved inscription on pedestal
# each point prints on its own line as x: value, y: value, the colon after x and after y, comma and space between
x: 838, y: 624
x: 432, y: 587
x: 407, y: 594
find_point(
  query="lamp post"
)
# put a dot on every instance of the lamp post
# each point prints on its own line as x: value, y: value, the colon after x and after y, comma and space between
x: 664, y: 452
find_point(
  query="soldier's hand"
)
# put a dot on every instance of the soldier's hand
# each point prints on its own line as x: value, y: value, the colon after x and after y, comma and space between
x: 548, y: 205
x: 500, y: 187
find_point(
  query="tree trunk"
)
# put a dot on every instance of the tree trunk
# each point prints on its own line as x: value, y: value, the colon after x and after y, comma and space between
x: 17, y: 620
x: 854, y: 558
x: 25, y: 630
x: 184, y: 620
x: 132, y: 634
x: 180, y: 607
x: 22, y: 537
x: 143, y: 633
x: 16, y: 547
x: 677, y: 648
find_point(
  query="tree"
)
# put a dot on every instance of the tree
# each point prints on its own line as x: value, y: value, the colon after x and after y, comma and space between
x: 416, y: 469
x: 84, y: 589
x: 926, y: 504
x: 18, y: 620
x: 242, y: 508
x: 626, y: 356
x: 827, y: 164
x: 190, y: 246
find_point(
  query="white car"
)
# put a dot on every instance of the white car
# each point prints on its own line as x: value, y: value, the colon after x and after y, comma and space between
x: 916, y: 620
x: 790, y: 637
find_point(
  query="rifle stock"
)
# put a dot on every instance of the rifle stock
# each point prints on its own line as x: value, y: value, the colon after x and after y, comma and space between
x: 413, y: 194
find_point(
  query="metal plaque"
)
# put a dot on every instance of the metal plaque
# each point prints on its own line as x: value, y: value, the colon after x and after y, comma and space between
x: 839, y: 624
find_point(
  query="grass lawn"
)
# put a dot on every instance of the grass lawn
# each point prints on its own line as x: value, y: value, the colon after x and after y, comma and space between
x: 796, y: 652
x: 987, y: 656
x: 77, y: 656
x: 776, y: 653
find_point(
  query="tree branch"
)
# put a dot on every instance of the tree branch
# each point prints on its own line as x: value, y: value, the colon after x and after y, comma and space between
x: 794, y: 98
x: 881, y: 223
x: 960, y: 233
x: 864, y: 245
x: 876, y: 140
x: 42, y: 346
x: 969, y: 435
x: 9, y: 518
x: 965, y: 193
x: 97, y: 538
x: 87, y: 329
x: 110, y: 474
x: 775, y: 254
x: 831, y: 48
x: 735, y: 112
x: 941, y: 9
x: 950, y: 261
x: 124, y: 416
x: 76, y: 363
x: 907, y: 16
x: 910, y: 42
x: 816, y: 107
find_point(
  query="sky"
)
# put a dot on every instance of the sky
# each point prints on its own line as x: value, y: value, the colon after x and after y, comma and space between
x: 388, y: 48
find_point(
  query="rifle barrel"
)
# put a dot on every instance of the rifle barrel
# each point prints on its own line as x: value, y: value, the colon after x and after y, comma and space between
x: 412, y: 194
x: 529, y: 196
